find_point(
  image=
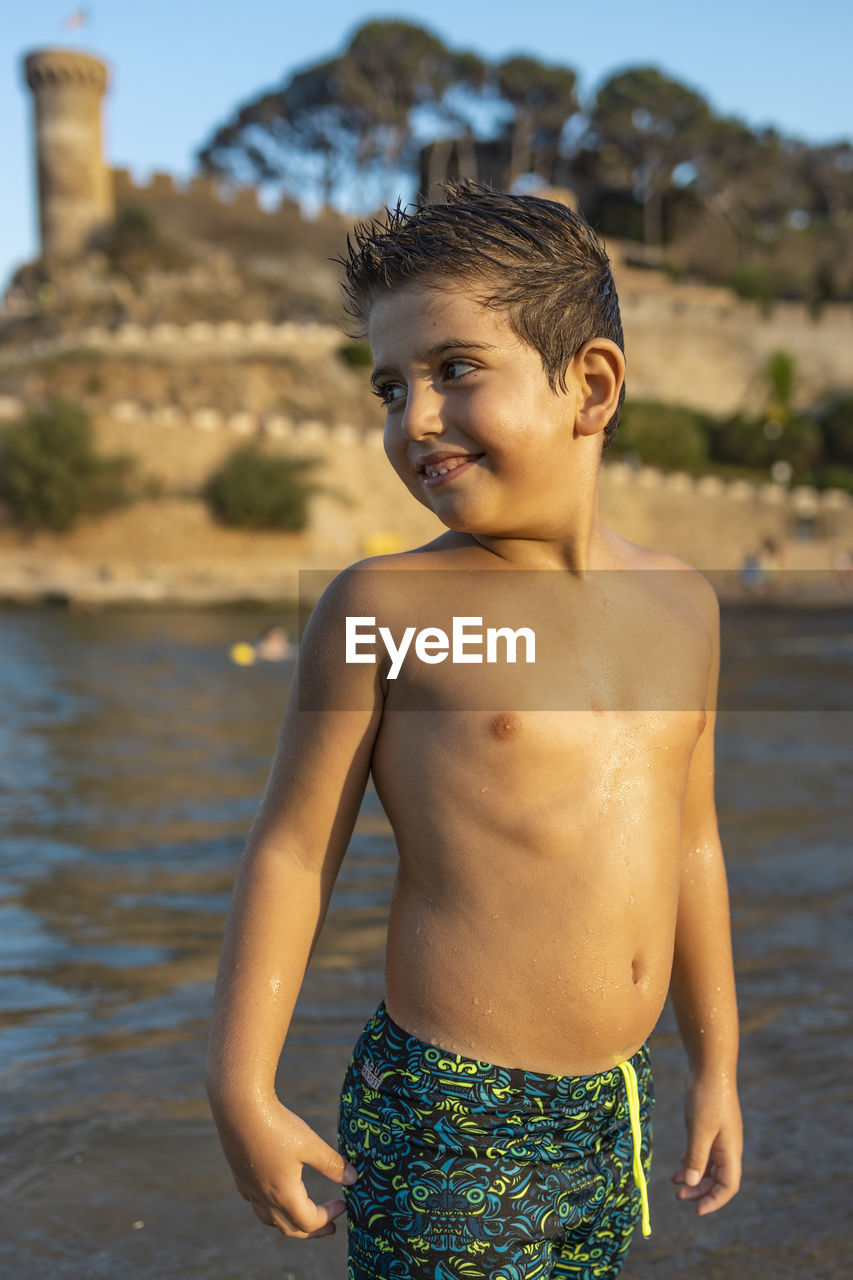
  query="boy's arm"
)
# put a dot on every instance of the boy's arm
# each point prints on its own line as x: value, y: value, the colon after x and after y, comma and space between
x: 703, y: 988
x: 281, y: 895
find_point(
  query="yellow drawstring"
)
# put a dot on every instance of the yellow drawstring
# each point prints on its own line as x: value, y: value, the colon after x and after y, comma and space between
x: 630, y: 1077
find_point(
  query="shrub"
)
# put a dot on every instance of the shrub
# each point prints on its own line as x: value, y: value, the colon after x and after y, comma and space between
x: 135, y: 225
x: 836, y: 423
x: 753, y: 282
x: 133, y: 244
x: 50, y: 475
x: 780, y: 371
x: 257, y: 490
x: 356, y: 354
x: 745, y: 441
x: 834, y: 476
x: 662, y: 435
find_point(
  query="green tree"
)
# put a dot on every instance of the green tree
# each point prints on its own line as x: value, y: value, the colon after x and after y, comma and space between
x: 347, y: 116
x: 543, y: 99
x: 50, y: 474
x: 644, y: 126
x: 258, y: 490
x: 828, y: 177
x: 398, y: 108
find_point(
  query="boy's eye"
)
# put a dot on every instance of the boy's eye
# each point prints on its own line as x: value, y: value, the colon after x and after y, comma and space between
x: 389, y: 392
x: 454, y: 369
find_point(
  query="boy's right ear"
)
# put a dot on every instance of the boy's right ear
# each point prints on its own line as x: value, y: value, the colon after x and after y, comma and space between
x: 599, y: 372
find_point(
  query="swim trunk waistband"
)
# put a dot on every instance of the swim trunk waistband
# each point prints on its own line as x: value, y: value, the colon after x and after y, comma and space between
x: 390, y: 1058
x: 398, y: 1085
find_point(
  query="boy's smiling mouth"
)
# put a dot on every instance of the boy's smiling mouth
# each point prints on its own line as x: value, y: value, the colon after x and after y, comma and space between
x: 437, y: 468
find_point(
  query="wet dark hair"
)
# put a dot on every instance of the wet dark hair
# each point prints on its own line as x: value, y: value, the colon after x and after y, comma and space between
x: 539, y: 261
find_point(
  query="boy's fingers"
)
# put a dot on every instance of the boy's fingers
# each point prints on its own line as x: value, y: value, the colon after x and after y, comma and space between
x: 334, y: 1209
x: 690, y: 1175
x: 300, y: 1217
x: 305, y: 1214
x: 331, y: 1164
x: 715, y: 1199
x: 302, y: 1211
x: 713, y: 1195
x: 281, y: 1222
x: 721, y: 1193
x: 695, y: 1193
x: 695, y: 1161
x: 717, y: 1187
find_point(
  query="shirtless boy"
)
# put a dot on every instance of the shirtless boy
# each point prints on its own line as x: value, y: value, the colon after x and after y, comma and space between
x: 559, y: 861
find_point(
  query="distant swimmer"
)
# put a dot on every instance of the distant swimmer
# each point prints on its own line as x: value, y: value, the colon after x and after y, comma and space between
x: 272, y: 645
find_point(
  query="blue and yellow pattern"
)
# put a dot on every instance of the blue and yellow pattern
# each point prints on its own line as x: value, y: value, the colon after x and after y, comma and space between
x: 469, y: 1171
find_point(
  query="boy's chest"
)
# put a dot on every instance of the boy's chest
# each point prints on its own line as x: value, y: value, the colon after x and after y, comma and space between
x: 449, y: 749
x: 604, y: 698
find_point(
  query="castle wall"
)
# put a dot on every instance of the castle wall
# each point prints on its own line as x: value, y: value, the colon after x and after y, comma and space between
x: 204, y: 209
x: 686, y: 344
x: 363, y: 508
x: 701, y: 346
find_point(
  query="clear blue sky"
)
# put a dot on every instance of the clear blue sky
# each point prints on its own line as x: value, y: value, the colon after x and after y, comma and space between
x: 180, y: 65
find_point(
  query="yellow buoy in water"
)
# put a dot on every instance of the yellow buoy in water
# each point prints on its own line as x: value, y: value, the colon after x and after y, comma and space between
x: 242, y: 654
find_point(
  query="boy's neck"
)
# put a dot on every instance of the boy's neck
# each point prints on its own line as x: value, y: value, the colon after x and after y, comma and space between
x: 581, y: 544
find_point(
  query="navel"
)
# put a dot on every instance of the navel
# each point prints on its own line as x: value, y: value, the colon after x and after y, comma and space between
x: 504, y: 725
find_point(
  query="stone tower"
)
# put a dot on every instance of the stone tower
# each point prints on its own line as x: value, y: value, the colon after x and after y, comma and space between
x: 74, y: 185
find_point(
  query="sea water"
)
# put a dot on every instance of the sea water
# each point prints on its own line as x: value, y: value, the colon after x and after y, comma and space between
x: 132, y: 756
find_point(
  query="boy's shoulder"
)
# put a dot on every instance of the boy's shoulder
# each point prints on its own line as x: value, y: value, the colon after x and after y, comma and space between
x: 680, y: 596
x: 685, y: 577
x: 450, y: 550
x: 373, y: 574
x: 380, y: 581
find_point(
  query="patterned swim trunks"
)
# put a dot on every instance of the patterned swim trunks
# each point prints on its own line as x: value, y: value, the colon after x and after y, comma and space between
x: 468, y: 1171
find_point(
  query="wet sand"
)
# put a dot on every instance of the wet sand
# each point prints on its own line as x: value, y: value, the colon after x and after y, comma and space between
x: 133, y: 753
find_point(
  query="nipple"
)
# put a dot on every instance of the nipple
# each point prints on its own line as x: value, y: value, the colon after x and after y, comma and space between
x: 504, y: 726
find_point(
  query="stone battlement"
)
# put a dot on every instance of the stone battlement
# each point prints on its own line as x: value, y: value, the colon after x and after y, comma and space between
x: 686, y: 344
x: 198, y: 192
x: 130, y: 337
x: 133, y: 417
x: 64, y: 66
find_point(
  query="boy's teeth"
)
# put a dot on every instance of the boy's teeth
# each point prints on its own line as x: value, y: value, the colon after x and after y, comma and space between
x: 442, y: 468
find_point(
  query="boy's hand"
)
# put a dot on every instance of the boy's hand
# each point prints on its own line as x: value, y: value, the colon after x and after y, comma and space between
x: 267, y: 1153
x: 710, y: 1168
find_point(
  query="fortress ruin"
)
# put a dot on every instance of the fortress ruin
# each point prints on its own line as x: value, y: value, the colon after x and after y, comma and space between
x: 177, y: 391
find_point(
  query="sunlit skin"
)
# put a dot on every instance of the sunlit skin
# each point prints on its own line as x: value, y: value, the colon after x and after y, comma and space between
x: 560, y: 863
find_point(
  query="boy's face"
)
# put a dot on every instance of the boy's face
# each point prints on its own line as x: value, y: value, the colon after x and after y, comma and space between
x: 465, y: 396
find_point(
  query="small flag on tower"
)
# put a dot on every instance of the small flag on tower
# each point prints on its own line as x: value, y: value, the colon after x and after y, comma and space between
x: 76, y: 20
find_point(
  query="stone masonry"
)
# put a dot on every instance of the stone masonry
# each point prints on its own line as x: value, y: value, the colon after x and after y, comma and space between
x: 75, y: 188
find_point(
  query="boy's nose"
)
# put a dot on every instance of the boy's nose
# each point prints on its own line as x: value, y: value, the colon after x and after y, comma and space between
x: 422, y: 414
